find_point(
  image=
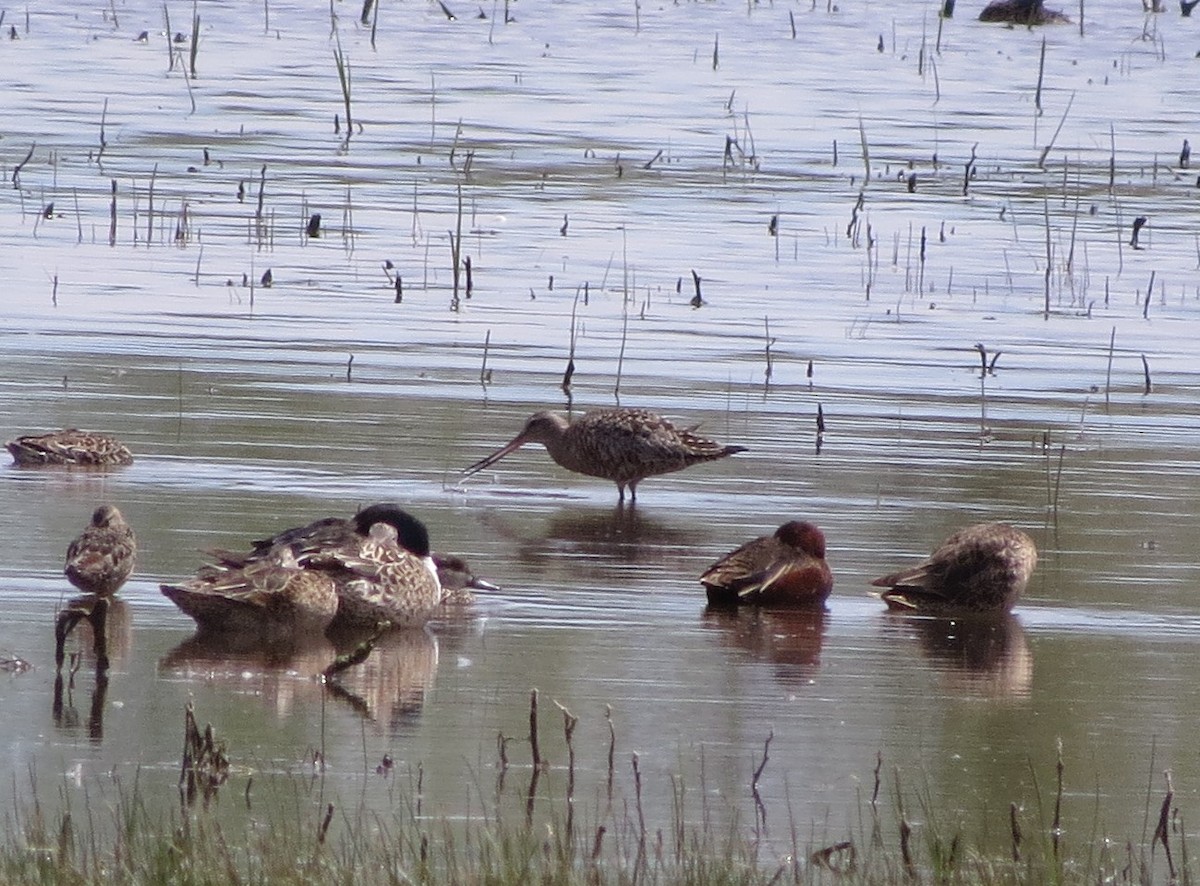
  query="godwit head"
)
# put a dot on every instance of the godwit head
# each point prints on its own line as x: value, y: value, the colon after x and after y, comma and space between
x: 547, y: 428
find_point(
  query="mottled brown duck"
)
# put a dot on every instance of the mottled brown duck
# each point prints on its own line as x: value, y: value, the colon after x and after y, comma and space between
x: 272, y: 597
x: 69, y: 447
x: 101, y: 558
x: 316, y: 541
x: 981, y: 568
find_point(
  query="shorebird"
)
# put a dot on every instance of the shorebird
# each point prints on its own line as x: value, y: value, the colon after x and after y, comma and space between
x: 622, y: 445
x: 318, y: 540
x: 69, y: 447
x: 102, y: 556
x: 784, y: 569
x: 982, y: 568
x: 1022, y: 12
x: 273, y: 597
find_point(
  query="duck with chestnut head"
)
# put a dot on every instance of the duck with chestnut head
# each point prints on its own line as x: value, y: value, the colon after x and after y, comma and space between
x: 787, y: 568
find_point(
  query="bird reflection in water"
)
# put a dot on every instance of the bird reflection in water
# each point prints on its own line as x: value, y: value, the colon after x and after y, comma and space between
x: 389, y: 685
x: 613, y: 536
x: 790, y: 639
x: 103, y: 630
x: 383, y: 676
x: 984, y: 655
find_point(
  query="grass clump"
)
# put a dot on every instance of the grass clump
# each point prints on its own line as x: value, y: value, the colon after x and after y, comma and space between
x: 519, y: 834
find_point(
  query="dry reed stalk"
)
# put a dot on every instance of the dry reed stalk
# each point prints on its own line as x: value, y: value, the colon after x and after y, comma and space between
x: 484, y: 375
x: 1162, y: 830
x: 112, y: 216
x: 194, y: 48
x: 323, y: 828
x: 534, y: 747
x: 612, y: 750
x: 570, y: 370
x: 769, y: 341
x: 1049, y: 256
x: 866, y: 155
x: 624, y: 313
x: 343, y: 71
x: 1037, y: 95
x: 570, y: 721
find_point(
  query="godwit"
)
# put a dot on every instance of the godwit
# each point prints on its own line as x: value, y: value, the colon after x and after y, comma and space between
x: 622, y: 445
x: 322, y: 537
x: 1022, y: 12
x: 69, y: 447
x: 101, y: 558
x: 982, y: 568
x: 273, y: 597
x: 784, y: 569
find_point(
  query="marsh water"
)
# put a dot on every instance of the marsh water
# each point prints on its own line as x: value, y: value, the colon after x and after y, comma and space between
x: 869, y: 196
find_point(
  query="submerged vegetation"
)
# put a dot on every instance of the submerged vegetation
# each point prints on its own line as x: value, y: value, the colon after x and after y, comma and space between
x: 518, y: 833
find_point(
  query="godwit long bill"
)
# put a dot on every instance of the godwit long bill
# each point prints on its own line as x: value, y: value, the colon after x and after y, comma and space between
x: 622, y: 445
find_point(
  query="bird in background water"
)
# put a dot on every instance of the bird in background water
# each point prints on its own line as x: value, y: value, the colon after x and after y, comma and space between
x: 622, y: 445
x: 981, y: 568
x: 787, y: 568
x: 69, y: 447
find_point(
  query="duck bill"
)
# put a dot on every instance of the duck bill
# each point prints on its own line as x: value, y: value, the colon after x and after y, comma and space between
x: 482, y: 584
x: 487, y: 462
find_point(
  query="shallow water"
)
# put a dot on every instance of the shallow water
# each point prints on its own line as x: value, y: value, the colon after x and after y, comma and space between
x: 248, y: 415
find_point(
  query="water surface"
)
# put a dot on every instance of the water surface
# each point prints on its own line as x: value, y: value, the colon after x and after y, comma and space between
x: 248, y: 415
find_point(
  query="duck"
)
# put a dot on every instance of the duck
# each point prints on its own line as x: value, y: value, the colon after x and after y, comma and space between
x: 984, y: 567
x: 101, y: 558
x: 786, y: 568
x: 458, y: 581
x: 319, y: 539
x: 379, y: 561
x: 623, y: 445
x: 69, y: 447
x: 387, y: 579
x: 271, y: 598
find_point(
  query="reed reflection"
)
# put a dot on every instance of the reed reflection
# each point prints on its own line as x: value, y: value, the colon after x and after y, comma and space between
x: 102, y: 627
